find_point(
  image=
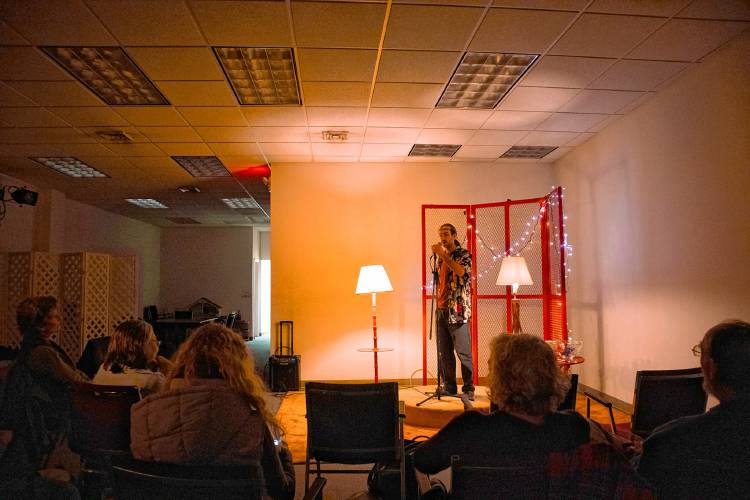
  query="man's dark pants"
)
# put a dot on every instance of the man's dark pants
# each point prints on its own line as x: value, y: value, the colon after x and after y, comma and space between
x: 458, y: 337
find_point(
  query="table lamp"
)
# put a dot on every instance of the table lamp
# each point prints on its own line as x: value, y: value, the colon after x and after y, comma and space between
x: 515, y: 272
x: 373, y: 279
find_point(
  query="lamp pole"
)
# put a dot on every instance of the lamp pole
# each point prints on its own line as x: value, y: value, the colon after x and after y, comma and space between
x: 374, y: 336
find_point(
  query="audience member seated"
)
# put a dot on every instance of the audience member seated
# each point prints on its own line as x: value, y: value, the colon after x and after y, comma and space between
x: 132, y: 358
x: 213, y: 412
x: 682, y: 451
x: 527, y: 386
x: 35, y: 407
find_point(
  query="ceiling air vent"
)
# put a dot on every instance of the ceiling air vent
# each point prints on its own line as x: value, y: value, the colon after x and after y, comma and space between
x: 437, y: 150
x: 529, y: 152
x: 115, y: 137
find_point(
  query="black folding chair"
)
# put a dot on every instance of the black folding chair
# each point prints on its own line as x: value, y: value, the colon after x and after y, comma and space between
x: 353, y: 424
x: 660, y: 396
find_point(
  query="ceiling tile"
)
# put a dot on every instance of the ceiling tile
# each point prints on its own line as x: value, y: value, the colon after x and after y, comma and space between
x: 136, y: 149
x: 571, y: 122
x: 398, y: 117
x: 718, y: 9
x: 9, y: 97
x: 457, y: 118
x: 515, y: 120
x: 418, y: 66
x: 234, y: 148
x: 28, y: 63
x: 391, y: 135
x: 225, y: 134
x: 519, y: 31
x: 26, y: 150
x: 47, y: 135
x: 481, y: 151
x: 575, y: 5
x: 155, y: 116
x: 30, y: 117
x: 285, y: 148
x: 556, y: 155
x: 208, y: 116
x: 340, y: 25
x: 282, y: 158
x: 637, y: 75
x: 577, y: 141
x: 85, y: 150
x: 562, y: 71
x: 378, y: 150
x: 430, y: 27
x: 600, y: 101
x: 145, y: 22
x: 234, y: 163
x: 170, y: 134
x: 90, y: 116
x: 427, y: 159
x: 546, y: 138
x: 444, y: 136
x: 600, y: 35
x: 336, y: 65
x: 406, y: 95
x: 324, y: 117
x: 40, y: 22
x: 335, y: 149
x: 354, y: 134
x: 687, y: 39
x: 336, y: 94
x: 244, y: 24
x: 536, y: 99
x: 57, y: 93
x: 159, y: 63
x: 275, y: 116
x: 185, y: 148
x: 8, y: 36
x: 663, y: 8
x: 495, y: 137
x: 636, y: 103
x: 279, y: 134
x: 198, y: 93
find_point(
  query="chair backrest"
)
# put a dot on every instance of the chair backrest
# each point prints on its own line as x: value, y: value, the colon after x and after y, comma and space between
x: 353, y: 423
x: 230, y: 319
x: 569, y: 403
x: 664, y: 395
x: 593, y: 470
x: 135, y: 479
x: 698, y: 478
x: 93, y: 355
x: 100, y: 420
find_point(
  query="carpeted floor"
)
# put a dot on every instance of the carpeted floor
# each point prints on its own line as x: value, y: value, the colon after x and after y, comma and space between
x: 292, y: 416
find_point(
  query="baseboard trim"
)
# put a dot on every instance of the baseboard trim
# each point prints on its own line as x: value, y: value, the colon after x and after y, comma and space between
x: 618, y: 404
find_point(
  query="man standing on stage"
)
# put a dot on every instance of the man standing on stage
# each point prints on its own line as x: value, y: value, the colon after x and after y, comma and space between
x: 453, y: 311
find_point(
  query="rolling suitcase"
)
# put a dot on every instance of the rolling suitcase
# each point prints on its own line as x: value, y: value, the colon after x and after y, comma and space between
x: 284, y: 367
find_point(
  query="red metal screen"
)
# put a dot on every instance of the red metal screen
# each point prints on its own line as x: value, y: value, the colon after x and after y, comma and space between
x: 533, y: 227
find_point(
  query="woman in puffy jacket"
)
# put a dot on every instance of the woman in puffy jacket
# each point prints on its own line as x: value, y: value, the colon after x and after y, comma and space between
x: 213, y: 412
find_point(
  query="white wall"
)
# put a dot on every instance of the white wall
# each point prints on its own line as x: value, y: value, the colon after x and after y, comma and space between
x: 658, y: 214
x: 330, y: 219
x: 215, y: 263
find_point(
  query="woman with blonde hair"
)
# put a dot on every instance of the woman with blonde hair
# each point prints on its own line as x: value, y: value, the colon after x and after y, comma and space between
x: 132, y: 358
x: 527, y: 386
x: 213, y: 411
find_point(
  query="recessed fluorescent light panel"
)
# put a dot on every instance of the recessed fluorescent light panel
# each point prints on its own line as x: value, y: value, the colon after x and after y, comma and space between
x: 441, y: 150
x: 240, y: 202
x: 483, y: 79
x: 202, y: 166
x: 534, y: 152
x: 109, y: 73
x: 146, y: 202
x: 70, y: 166
x: 261, y: 76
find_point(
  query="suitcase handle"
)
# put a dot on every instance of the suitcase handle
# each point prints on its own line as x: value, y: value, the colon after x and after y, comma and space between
x: 279, y: 344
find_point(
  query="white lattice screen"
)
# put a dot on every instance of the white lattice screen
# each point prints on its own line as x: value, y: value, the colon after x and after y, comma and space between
x: 95, y: 291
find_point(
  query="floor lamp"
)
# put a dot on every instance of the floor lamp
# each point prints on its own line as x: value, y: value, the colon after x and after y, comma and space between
x: 373, y: 279
x: 515, y: 272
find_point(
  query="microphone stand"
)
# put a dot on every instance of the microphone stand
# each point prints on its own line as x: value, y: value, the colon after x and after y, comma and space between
x: 438, y: 389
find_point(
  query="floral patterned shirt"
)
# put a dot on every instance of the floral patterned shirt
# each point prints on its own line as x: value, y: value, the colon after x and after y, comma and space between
x: 456, y: 290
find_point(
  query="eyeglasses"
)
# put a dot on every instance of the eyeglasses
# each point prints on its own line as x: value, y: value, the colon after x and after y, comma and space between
x: 696, y: 350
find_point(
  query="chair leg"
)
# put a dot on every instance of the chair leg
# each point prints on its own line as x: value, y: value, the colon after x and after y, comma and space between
x: 307, y: 472
x: 612, y: 419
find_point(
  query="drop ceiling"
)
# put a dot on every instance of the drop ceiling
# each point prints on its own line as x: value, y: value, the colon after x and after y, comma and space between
x: 374, y: 69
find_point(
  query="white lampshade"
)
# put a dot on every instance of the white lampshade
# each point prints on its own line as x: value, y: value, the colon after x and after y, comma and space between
x: 513, y: 271
x: 373, y: 279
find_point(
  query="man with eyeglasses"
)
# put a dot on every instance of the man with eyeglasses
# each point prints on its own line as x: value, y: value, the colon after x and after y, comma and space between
x: 708, y: 455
